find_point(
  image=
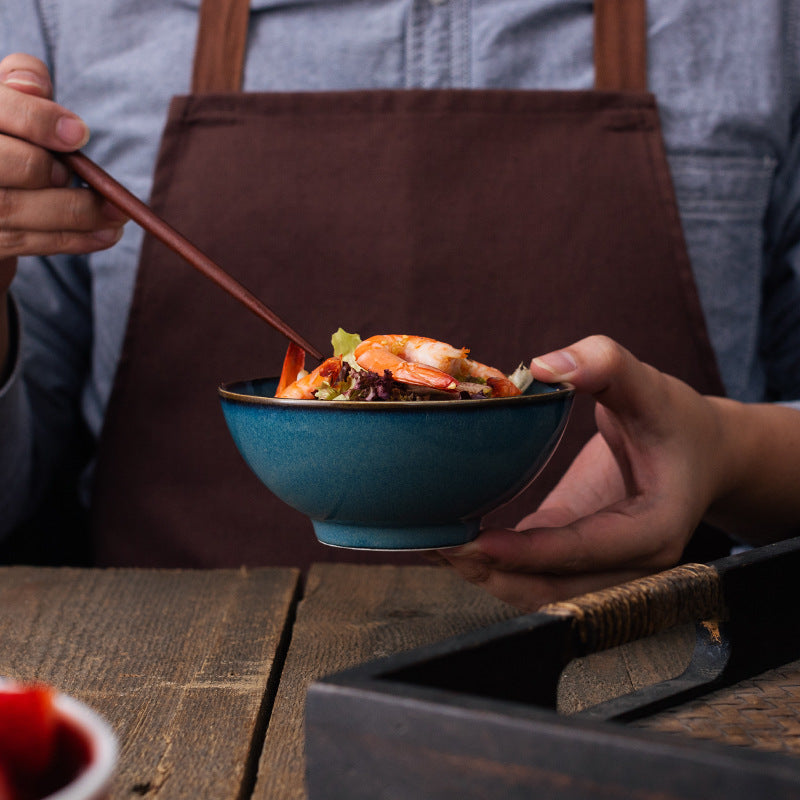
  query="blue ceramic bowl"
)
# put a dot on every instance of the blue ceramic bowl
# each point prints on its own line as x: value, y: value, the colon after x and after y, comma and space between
x: 392, y: 475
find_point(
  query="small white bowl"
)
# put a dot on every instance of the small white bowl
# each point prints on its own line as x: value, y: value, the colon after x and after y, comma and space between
x: 91, y: 746
x: 92, y: 782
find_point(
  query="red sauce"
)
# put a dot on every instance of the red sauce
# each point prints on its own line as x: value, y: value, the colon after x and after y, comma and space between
x: 73, y: 753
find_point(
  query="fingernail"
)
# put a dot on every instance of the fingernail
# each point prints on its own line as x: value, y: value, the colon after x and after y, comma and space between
x: 108, y: 235
x: 72, y: 131
x: 24, y: 79
x: 59, y: 175
x: 559, y: 363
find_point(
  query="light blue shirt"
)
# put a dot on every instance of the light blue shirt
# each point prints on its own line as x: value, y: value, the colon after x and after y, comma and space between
x: 725, y: 73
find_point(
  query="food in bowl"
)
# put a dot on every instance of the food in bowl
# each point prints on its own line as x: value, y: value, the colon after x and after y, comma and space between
x: 404, y: 473
x: 396, y: 367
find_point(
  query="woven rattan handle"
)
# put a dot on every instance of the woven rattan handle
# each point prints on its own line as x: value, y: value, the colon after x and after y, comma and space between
x: 644, y: 607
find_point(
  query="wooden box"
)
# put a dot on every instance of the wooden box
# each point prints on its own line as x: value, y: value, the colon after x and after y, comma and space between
x: 476, y: 716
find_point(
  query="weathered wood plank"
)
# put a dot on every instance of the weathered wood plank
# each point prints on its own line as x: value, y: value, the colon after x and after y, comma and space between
x: 181, y: 663
x: 587, y: 681
x: 351, y: 614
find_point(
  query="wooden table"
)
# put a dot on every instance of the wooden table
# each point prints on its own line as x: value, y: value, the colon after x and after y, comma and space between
x: 203, y: 674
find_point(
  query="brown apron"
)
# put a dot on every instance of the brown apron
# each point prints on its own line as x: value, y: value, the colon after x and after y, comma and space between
x: 512, y: 222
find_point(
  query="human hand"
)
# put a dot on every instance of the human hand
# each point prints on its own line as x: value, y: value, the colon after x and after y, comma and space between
x: 630, y: 501
x: 39, y: 213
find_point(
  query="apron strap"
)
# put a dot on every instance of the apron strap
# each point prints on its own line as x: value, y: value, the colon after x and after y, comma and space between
x: 221, y: 43
x: 620, y: 45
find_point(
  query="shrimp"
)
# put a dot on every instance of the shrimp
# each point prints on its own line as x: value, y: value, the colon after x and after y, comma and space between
x: 428, y: 362
x: 303, y: 388
x: 501, y: 384
x: 400, y: 355
x: 293, y: 364
x: 414, y: 360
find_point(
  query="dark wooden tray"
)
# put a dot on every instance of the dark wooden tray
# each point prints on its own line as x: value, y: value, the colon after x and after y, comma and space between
x: 476, y: 716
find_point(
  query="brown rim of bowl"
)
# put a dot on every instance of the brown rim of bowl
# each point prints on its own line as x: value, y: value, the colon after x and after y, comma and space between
x: 559, y: 391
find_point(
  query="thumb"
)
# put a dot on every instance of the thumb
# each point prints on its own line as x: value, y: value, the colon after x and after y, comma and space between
x: 599, y: 366
x: 26, y: 74
x: 28, y: 113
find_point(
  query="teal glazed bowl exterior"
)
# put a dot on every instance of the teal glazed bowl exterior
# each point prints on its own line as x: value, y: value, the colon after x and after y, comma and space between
x: 394, y: 475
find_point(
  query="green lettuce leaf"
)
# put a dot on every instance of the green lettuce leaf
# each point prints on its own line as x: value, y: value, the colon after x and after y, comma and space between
x: 344, y: 345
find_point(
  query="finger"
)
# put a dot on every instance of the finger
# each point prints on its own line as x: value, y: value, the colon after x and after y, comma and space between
x: 77, y: 209
x: 528, y: 592
x: 592, y: 481
x: 26, y: 73
x: 434, y: 558
x: 37, y: 243
x: 550, y: 516
x: 631, y: 534
x: 27, y: 112
x: 603, y: 368
x: 25, y: 166
x: 40, y: 121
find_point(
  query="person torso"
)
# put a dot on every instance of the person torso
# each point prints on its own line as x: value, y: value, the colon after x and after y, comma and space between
x: 726, y: 120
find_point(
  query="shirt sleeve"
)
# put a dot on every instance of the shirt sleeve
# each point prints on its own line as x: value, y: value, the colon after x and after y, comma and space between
x: 15, y: 434
x: 41, y: 422
x: 40, y: 403
x: 20, y: 31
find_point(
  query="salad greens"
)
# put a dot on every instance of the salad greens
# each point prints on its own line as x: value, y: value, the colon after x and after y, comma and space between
x: 344, y: 344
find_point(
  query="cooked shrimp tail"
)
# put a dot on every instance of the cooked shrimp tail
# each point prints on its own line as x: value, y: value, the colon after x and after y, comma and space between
x: 503, y: 387
x: 294, y: 363
x: 303, y: 388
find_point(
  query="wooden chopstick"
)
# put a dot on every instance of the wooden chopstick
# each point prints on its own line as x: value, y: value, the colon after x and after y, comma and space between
x: 141, y: 213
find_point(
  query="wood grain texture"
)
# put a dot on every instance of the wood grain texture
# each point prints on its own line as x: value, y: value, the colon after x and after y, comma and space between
x: 351, y: 614
x: 181, y: 664
x: 603, y: 676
